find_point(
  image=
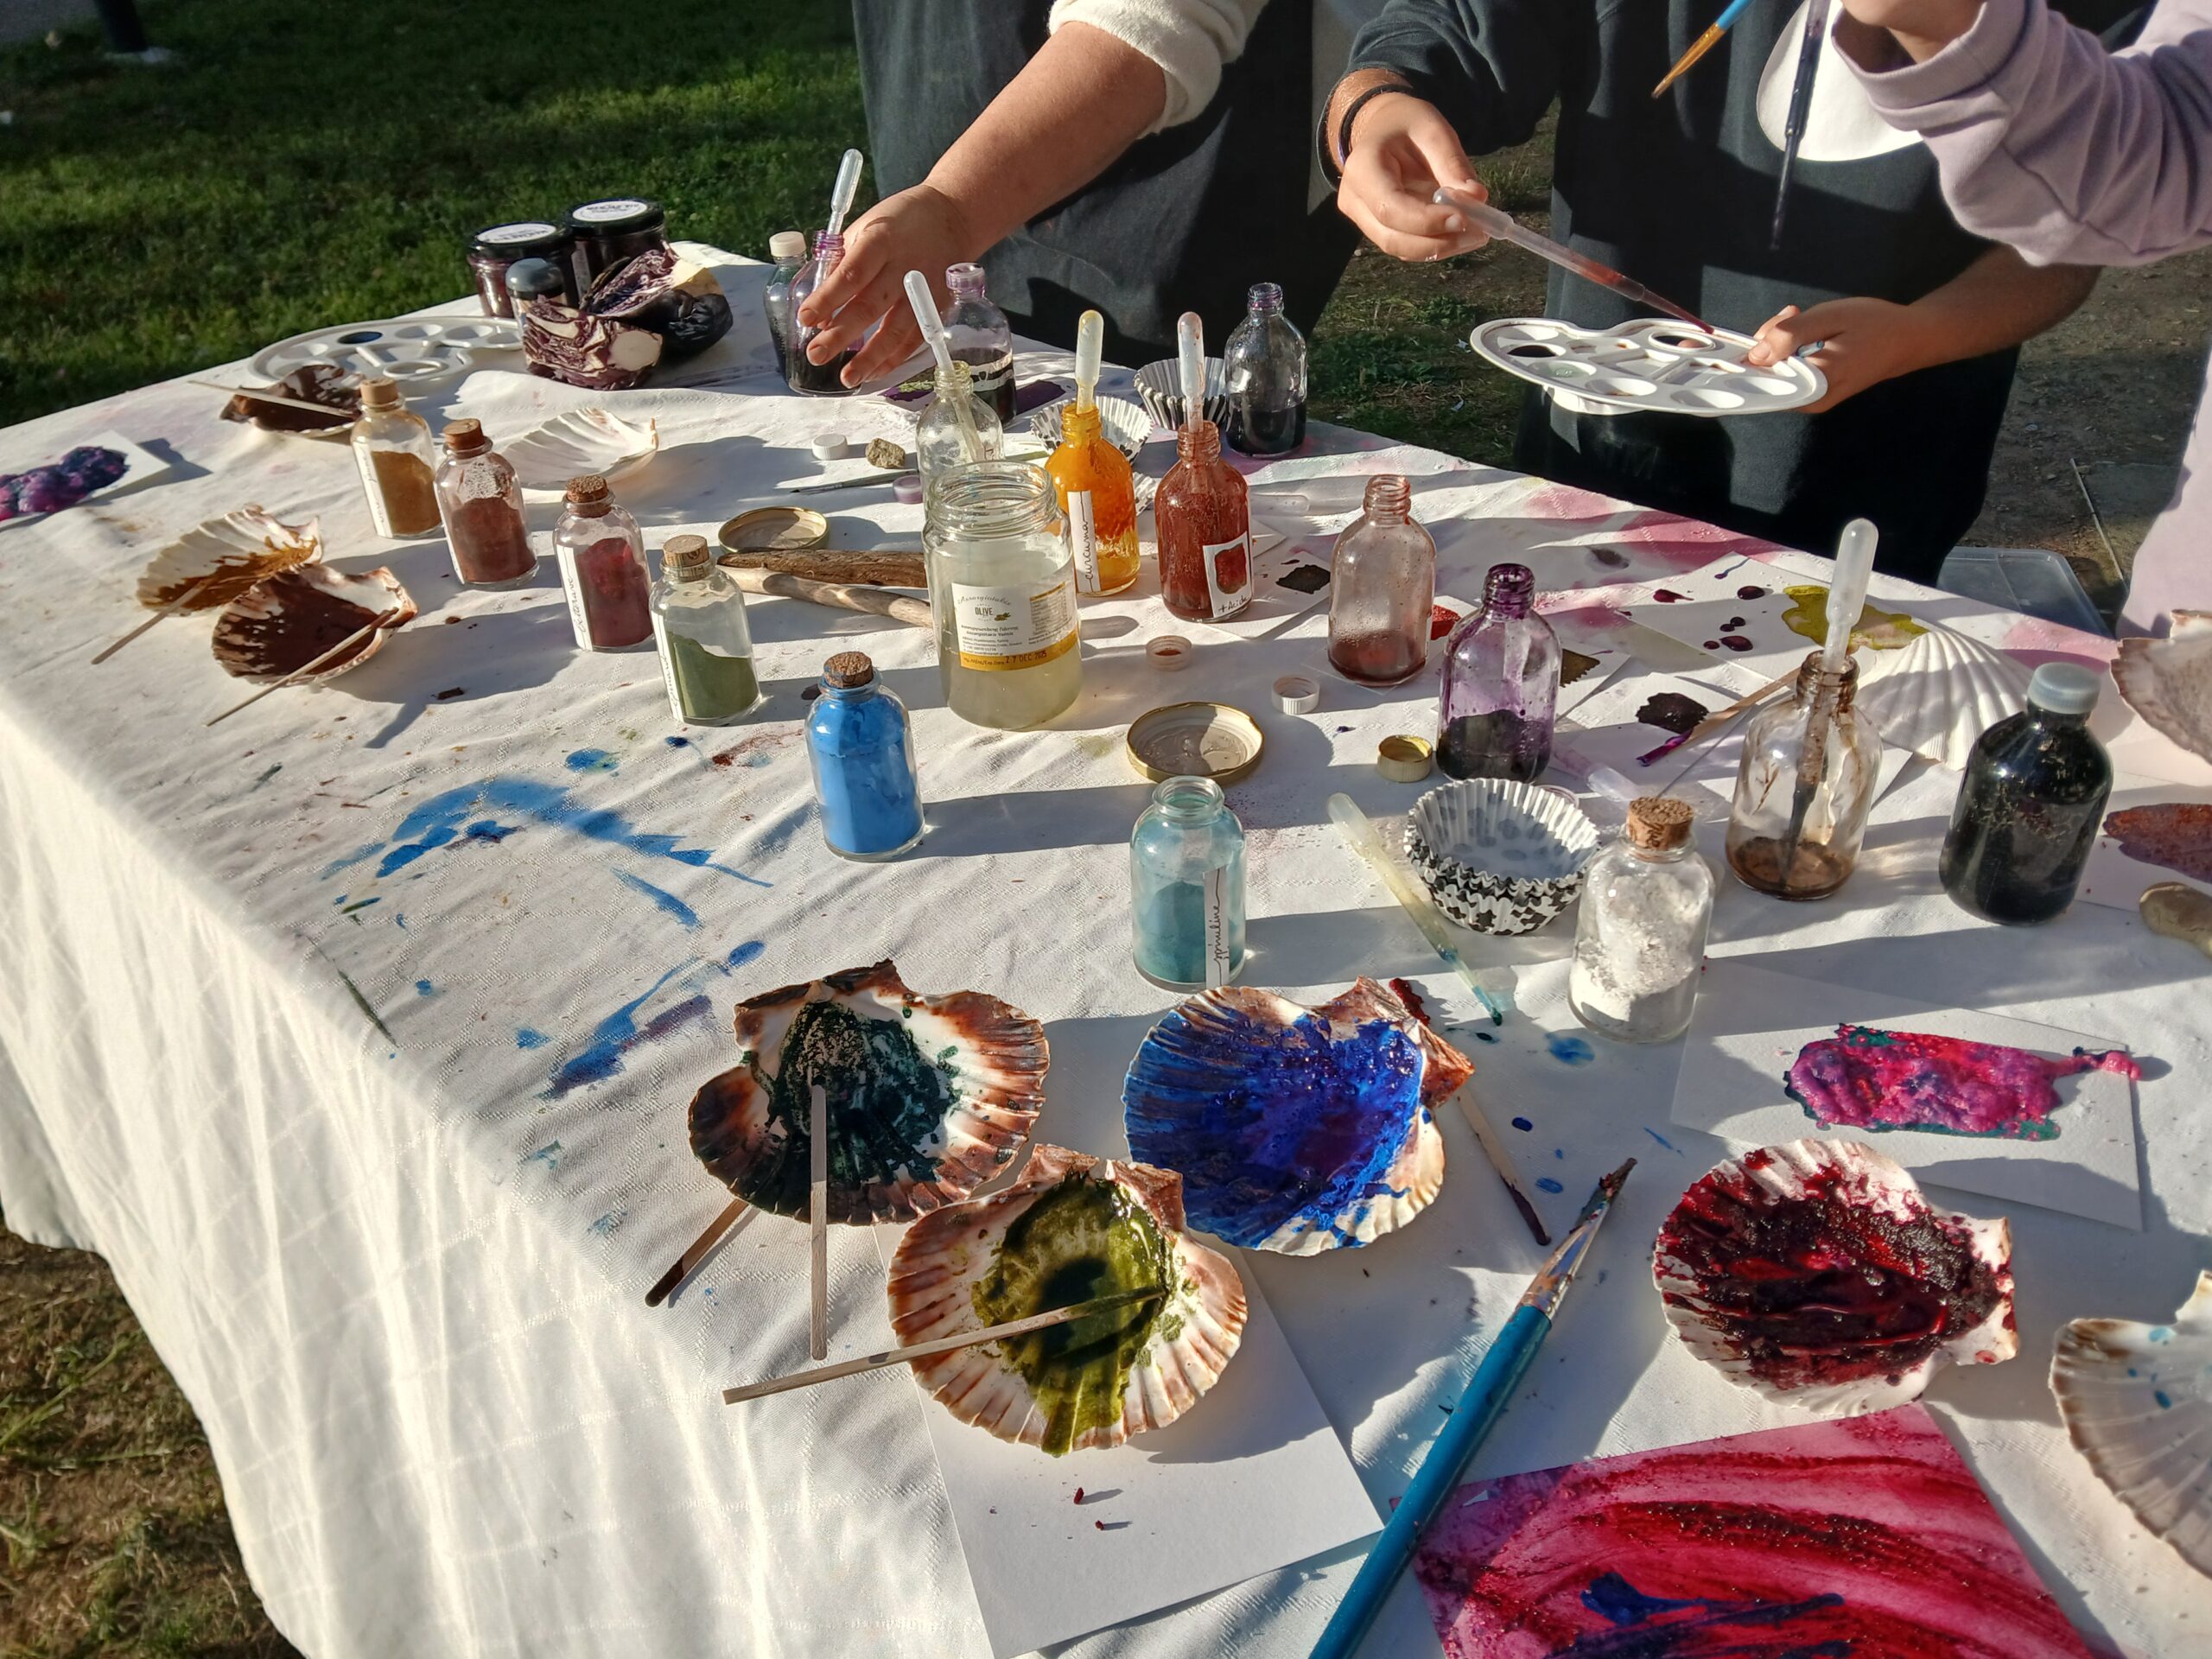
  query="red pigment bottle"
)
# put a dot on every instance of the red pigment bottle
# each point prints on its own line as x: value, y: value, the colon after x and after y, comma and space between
x: 1202, y: 513
x: 602, y: 555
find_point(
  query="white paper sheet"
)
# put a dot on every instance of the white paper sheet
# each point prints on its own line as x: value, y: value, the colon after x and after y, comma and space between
x: 1751, y: 1025
x: 2112, y: 877
x: 140, y: 466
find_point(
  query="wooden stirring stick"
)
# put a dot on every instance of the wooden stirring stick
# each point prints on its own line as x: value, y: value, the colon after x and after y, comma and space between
x: 664, y: 1286
x: 939, y: 1345
x: 306, y: 668
x: 251, y: 396
x: 818, y: 1221
x: 170, y: 609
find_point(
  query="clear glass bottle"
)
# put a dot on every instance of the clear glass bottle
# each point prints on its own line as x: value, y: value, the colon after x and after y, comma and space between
x: 1382, y: 589
x: 1002, y: 593
x: 699, y: 631
x: 397, y: 463
x: 602, y: 555
x: 938, y: 441
x: 861, y: 746
x: 1098, y: 493
x: 1203, y: 517
x: 1186, y: 887
x: 2030, y: 805
x: 1264, y: 371
x: 788, y: 249
x: 1804, y: 789
x: 480, y: 503
x: 1500, y: 684
x: 800, y: 374
x: 981, y: 338
x: 1639, y: 939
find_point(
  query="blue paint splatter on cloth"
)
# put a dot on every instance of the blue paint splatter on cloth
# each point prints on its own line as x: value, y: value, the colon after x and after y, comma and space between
x: 528, y: 1039
x: 423, y: 988
x: 592, y: 761
x: 666, y: 900
x: 1522, y: 1123
x: 1549, y: 1185
x: 1570, y: 1050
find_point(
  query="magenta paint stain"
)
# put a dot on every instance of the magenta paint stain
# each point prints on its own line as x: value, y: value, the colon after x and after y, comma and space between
x: 1850, y: 1539
x: 1737, y: 642
x: 1669, y: 596
x: 1751, y: 590
x: 2172, y: 834
x: 1862, y: 1079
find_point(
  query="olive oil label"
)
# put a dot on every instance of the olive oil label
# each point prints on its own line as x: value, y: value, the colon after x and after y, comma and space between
x: 1001, y: 629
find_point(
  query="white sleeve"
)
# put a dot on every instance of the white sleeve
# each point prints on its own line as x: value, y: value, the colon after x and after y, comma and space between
x: 1190, y: 40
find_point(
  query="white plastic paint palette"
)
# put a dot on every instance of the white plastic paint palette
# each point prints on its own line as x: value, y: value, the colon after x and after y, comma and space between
x: 406, y: 348
x: 1651, y: 364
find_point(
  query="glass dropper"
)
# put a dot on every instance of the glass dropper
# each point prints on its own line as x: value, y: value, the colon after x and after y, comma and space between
x: 840, y: 196
x: 951, y: 385
x: 1090, y: 347
x: 1190, y: 353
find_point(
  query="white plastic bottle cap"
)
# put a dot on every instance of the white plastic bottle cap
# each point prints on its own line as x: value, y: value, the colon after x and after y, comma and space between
x: 831, y: 446
x: 1169, y: 652
x: 1296, y: 695
x: 907, y: 487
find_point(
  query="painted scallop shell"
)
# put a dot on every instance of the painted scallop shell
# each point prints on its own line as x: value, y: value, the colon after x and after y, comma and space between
x: 927, y: 1096
x: 1815, y: 1273
x: 278, y: 626
x: 582, y: 441
x: 2137, y: 1399
x: 1073, y: 1228
x: 2169, y: 681
x: 212, y: 563
x: 1295, y: 1129
x: 1939, y: 693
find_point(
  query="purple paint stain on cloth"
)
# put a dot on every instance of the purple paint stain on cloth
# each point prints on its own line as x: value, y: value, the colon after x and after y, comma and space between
x: 1862, y: 1079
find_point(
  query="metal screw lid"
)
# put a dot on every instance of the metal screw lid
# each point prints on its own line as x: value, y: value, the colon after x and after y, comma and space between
x: 1659, y: 822
x: 848, y: 669
x: 685, y: 558
x: 379, y: 393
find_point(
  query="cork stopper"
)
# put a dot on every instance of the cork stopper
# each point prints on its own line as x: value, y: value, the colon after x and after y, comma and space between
x: 466, y: 438
x: 848, y: 669
x: 1659, y: 824
x: 590, y: 495
x: 685, y: 558
x: 379, y: 393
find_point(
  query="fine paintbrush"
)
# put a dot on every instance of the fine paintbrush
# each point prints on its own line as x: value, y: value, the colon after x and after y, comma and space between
x: 1471, y: 1421
x: 1800, y: 102
x: 1703, y: 44
x: 1506, y: 228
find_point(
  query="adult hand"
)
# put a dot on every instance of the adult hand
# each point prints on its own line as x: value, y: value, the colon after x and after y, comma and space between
x: 920, y: 229
x: 1861, y: 343
x: 1922, y: 27
x: 1402, y: 150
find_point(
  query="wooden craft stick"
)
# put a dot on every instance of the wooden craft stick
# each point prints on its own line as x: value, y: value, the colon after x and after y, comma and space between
x: 938, y: 1346
x: 899, y: 607
x: 878, y: 568
x: 664, y: 1286
x: 306, y: 668
x: 167, y: 610
x: 1720, y: 717
x: 818, y: 1221
x: 253, y: 395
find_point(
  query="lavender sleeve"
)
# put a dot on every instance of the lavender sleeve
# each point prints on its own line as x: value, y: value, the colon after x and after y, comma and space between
x: 2072, y: 156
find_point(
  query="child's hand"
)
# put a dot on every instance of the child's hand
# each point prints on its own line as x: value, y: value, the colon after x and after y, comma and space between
x: 1402, y: 150
x: 1860, y: 343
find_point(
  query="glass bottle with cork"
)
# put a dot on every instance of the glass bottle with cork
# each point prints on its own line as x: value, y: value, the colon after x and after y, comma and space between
x: 602, y: 555
x: 699, y: 632
x: 981, y: 338
x: 1500, y: 684
x: 1201, y: 514
x: 1264, y: 371
x: 956, y: 427
x: 1383, y: 590
x: 1186, y: 888
x: 397, y: 463
x: 788, y: 249
x: 802, y: 374
x: 1092, y: 479
x: 1003, y: 594
x: 860, y: 745
x: 2030, y: 805
x: 480, y: 502
x: 1639, y: 939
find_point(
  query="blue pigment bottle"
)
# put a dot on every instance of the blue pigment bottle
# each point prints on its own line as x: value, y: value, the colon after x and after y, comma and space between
x: 1186, y: 886
x: 862, y: 747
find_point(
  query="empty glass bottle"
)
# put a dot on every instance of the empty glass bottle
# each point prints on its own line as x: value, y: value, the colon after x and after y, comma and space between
x: 1003, y: 594
x: 1186, y: 887
x: 1500, y: 684
x: 981, y: 338
x: 480, y: 502
x: 602, y: 555
x: 788, y: 249
x: 391, y: 448
x: 814, y: 379
x: 861, y: 746
x: 2029, y: 809
x: 1263, y: 370
x: 938, y: 441
x: 1803, y: 788
x: 1383, y: 590
x: 699, y: 629
x: 1639, y: 939
x: 1098, y: 494
x: 1203, y: 517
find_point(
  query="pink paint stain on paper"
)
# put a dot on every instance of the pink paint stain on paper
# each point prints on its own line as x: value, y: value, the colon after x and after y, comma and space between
x: 1863, y: 1079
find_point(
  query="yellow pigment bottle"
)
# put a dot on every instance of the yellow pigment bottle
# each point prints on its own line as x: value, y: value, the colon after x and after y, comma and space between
x: 1091, y: 479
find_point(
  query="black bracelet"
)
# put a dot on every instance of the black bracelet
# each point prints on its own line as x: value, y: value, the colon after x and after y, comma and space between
x: 1331, y: 169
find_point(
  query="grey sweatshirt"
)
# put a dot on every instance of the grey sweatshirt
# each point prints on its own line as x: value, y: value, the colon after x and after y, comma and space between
x: 2076, y: 157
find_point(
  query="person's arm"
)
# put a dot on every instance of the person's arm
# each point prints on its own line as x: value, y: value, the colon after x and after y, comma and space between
x: 1998, y: 300
x: 2043, y: 141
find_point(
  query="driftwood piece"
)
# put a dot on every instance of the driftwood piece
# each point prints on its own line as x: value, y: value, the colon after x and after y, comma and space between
x: 882, y: 569
x: 899, y: 607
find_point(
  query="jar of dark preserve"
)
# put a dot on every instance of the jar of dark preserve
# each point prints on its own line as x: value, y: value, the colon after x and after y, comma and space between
x: 606, y: 233
x: 492, y: 250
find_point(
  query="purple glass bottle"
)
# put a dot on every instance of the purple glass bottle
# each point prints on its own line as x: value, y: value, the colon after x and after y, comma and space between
x: 814, y: 379
x: 1500, y: 684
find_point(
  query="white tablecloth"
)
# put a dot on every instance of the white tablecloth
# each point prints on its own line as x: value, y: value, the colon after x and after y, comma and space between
x: 385, y: 1161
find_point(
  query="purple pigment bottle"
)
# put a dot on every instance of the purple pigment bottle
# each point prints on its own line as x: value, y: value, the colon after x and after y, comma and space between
x: 1500, y: 684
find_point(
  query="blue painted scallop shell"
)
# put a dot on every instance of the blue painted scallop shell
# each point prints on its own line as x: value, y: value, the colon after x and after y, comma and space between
x: 1295, y: 1129
x: 927, y: 1096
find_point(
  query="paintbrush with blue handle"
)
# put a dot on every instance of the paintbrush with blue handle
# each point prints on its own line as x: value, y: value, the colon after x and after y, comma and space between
x: 1704, y: 44
x: 1479, y: 1407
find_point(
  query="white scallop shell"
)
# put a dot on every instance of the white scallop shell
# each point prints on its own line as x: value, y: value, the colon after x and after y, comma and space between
x: 939, y: 1261
x: 582, y: 441
x: 2137, y: 1400
x: 1125, y: 426
x: 258, y: 636
x: 1939, y: 693
x: 212, y: 563
x: 2169, y: 681
x: 1793, y: 1170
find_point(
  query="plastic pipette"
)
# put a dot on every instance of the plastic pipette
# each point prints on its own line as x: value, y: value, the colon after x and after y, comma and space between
x: 1855, y: 568
x: 1190, y: 354
x: 1800, y: 103
x: 1506, y: 228
x: 1090, y: 347
x: 840, y: 198
x: 949, y: 385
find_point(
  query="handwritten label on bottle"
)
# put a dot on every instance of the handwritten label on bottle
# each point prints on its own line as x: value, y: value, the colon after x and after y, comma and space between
x: 572, y: 585
x: 668, y: 669
x: 1083, y: 541
x: 1228, y: 575
x: 1003, y: 628
x: 1219, y: 966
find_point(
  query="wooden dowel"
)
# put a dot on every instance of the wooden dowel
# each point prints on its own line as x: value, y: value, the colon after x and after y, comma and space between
x: 899, y: 607
x: 249, y: 393
x: 664, y: 1286
x: 168, y: 610
x: 939, y: 1345
x: 881, y: 568
x: 817, y: 1223
x: 306, y: 668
